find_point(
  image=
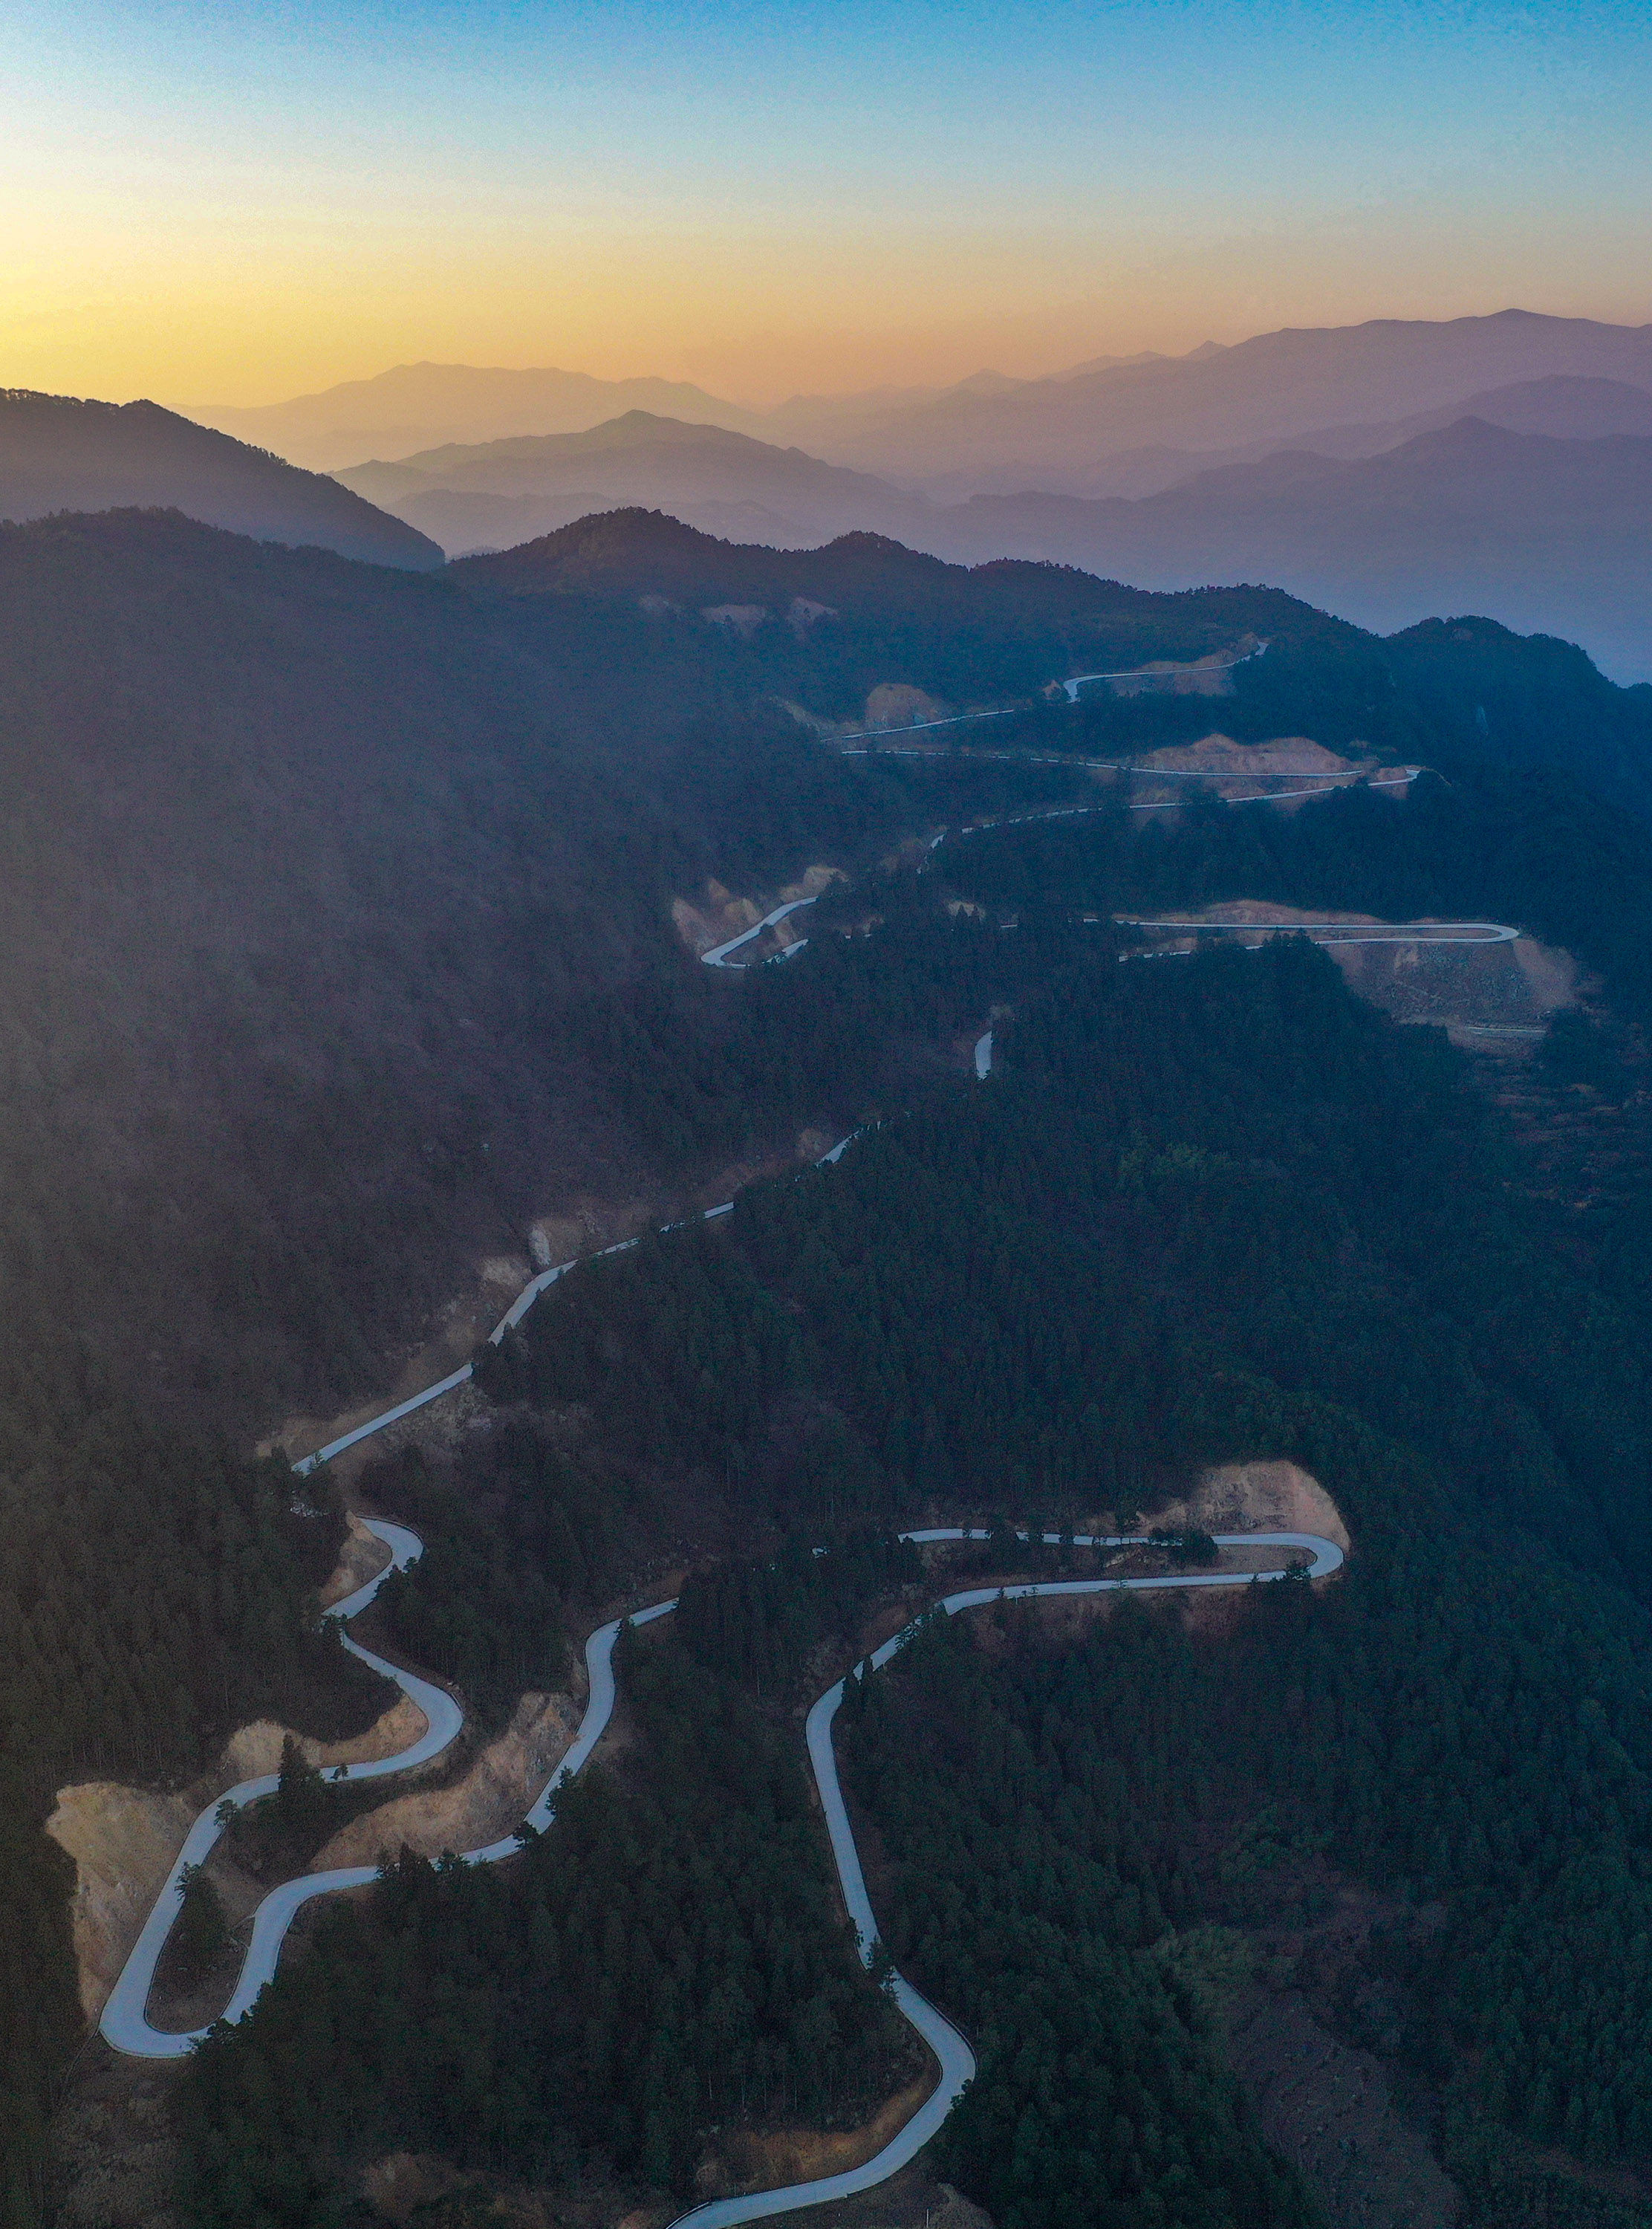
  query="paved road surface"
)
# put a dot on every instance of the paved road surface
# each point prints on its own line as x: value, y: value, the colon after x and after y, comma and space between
x: 1339, y: 932
x: 955, y: 2059
x: 125, y: 2023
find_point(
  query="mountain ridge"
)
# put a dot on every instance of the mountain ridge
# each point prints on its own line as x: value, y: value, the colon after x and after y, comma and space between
x: 336, y: 426
x: 1541, y: 532
x: 517, y: 489
x: 1273, y: 386
x: 63, y: 454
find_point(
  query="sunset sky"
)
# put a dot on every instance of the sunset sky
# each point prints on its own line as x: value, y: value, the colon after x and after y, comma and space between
x: 238, y: 202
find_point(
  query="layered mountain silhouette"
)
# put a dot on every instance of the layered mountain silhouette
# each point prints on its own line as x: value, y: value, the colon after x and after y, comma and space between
x: 1101, y: 427
x: 59, y: 454
x: 1546, y: 535
x: 1566, y: 405
x: 420, y: 406
x: 1495, y: 464
x: 1542, y: 533
x: 497, y: 493
x: 1277, y: 390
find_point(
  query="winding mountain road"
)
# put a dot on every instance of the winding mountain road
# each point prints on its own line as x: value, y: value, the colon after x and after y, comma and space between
x: 955, y: 2059
x: 125, y: 2023
x: 722, y: 956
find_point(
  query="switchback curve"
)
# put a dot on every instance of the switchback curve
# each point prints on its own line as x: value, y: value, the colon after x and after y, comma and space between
x: 125, y: 2023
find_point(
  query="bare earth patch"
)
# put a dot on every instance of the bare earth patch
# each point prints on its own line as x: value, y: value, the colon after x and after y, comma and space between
x: 1480, y: 994
x: 1259, y: 1497
x: 1330, y: 2110
x: 715, y: 915
x: 483, y: 1806
x: 362, y: 1557
x: 125, y: 1840
x: 748, y: 2162
x: 1236, y: 771
x: 898, y: 704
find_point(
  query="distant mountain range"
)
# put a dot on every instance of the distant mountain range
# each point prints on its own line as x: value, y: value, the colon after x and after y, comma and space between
x: 420, y: 406
x: 1546, y: 535
x: 1096, y: 429
x: 57, y: 453
x: 1542, y: 531
x: 1568, y: 405
x: 1499, y: 466
x: 1279, y: 390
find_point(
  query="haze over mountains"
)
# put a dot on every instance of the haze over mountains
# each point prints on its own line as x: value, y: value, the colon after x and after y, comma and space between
x: 494, y: 493
x: 1528, y: 504
x: 1494, y: 464
x: 1544, y: 535
x: 991, y: 433
x: 1275, y: 389
x: 417, y: 406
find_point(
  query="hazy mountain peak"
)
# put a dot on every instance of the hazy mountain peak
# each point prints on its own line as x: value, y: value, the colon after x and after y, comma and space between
x: 417, y: 407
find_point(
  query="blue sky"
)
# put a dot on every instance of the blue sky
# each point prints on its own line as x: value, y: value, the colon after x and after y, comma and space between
x: 238, y: 202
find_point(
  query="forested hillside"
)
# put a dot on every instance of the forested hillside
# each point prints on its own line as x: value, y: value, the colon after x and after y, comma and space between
x: 1217, y: 1210
x: 318, y: 894
x: 337, y: 945
x: 823, y: 627
x: 325, y: 914
x: 58, y: 453
x: 328, y: 915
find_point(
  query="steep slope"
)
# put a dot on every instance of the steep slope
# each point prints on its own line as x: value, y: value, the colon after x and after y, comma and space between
x: 57, y: 453
x: 300, y: 885
x: 414, y: 406
x: 504, y: 492
x: 320, y: 945
x: 324, y: 950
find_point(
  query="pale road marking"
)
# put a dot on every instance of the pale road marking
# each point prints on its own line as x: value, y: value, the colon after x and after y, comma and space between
x: 1427, y: 932
x: 1077, y: 681
x: 126, y: 2025
x: 719, y: 956
x: 1336, y: 932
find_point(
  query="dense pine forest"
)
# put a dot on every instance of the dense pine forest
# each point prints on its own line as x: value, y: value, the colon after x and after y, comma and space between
x: 665, y: 1959
x: 324, y: 915
x: 1219, y: 1210
x: 339, y: 915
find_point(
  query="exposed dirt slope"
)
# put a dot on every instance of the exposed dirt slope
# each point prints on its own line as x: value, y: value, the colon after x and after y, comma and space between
x: 124, y: 1840
x: 483, y: 1806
